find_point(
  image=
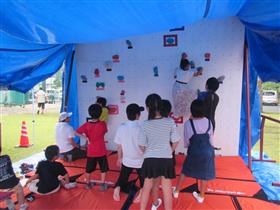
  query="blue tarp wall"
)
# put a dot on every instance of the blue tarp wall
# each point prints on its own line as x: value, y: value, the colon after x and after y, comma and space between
x: 37, y: 36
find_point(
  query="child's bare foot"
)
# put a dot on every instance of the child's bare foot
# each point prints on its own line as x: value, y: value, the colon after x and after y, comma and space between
x: 116, y: 195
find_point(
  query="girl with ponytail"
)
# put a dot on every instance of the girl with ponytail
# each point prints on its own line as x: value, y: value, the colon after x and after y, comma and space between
x: 154, y: 140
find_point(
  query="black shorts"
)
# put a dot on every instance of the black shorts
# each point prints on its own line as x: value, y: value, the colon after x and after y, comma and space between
x: 102, y: 162
x: 41, y: 105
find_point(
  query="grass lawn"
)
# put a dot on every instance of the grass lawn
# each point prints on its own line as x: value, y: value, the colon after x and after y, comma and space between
x: 271, y: 137
x: 11, y: 130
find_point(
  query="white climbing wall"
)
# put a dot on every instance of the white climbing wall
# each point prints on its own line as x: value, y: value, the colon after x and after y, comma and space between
x: 222, y: 38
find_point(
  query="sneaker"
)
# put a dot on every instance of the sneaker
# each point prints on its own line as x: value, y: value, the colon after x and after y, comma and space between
x: 89, y: 186
x: 23, y: 206
x: 103, y: 187
x: 116, y: 195
x: 155, y: 207
x: 197, y: 197
x: 175, y: 193
x: 30, y: 198
x: 70, y: 185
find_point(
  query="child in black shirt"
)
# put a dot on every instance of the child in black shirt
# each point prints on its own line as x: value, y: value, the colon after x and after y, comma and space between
x: 210, y: 98
x: 46, y: 179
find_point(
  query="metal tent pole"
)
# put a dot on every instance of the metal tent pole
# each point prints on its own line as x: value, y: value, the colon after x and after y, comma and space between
x: 68, y: 84
x: 1, y: 120
x: 248, y: 108
x: 33, y: 117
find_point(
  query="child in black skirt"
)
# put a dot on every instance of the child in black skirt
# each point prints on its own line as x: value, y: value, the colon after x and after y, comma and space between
x: 154, y: 140
x: 199, y: 162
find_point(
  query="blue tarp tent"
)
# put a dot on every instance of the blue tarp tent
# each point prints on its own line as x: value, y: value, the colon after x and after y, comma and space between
x: 37, y: 36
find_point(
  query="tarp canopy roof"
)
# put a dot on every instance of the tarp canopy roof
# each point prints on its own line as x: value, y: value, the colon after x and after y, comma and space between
x: 37, y: 36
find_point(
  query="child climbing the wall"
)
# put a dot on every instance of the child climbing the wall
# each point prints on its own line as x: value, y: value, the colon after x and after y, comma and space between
x: 210, y: 98
x: 182, y: 92
x: 105, y: 111
x: 199, y: 163
x: 130, y: 157
x: 154, y: 140
x: 49, y: 174
x: 94, y: 130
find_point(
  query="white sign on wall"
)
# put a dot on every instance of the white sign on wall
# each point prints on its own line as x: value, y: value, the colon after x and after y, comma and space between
x: 142, y: 65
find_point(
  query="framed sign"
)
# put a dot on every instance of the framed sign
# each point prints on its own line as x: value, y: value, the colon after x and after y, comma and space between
x: 113, y: 109
x: 177, y: 120
x: 170, y: 40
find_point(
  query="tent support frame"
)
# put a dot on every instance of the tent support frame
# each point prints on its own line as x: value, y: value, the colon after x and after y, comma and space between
x: 69, y: 81
x: 248, y: 108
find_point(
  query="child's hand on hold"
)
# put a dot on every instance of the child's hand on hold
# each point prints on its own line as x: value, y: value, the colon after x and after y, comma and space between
x: 199, y: 70
x: 221, y: 79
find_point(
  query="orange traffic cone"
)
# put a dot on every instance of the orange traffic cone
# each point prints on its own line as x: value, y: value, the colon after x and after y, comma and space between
x: 24, y: 140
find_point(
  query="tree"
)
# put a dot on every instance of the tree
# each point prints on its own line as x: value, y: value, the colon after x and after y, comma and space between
x: 271, y: 86
x: 58, y: 79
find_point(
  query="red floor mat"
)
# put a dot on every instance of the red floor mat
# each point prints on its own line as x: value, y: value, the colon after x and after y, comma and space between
x: 232, y: 167
x: 187, y: 201
x: 217, y: 202
x: 80, y: 163
x: 74, y: 171
x: 111, y: 177
x: 233, y: 187
x: 231, y: 172
x: 187, y: 182
x: 228, y: 167
x: 71, y: 171
x: 78, y: 198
